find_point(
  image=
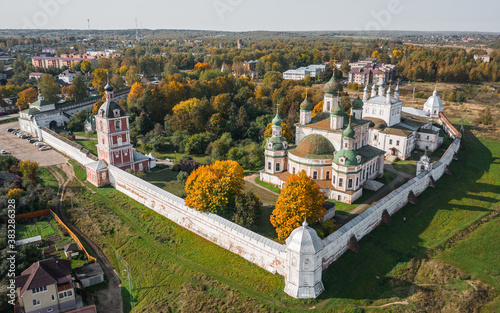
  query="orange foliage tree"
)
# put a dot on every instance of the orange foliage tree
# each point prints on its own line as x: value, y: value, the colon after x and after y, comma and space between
x: 135, y: 93
x: 198, y: 67
x: 300, y: 199
x: 317, y: 109
x: 69, y: 92
x: 26, y: 97
x: 214, y: 187
x: 28, y: 169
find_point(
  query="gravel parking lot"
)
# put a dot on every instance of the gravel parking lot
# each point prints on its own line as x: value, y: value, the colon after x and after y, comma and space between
x: 23, y: 150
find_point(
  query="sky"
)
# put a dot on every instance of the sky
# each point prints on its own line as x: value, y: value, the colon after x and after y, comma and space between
x: 248, y: 15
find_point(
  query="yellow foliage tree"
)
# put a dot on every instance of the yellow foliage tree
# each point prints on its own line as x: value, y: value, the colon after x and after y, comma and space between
x: 85, y: 66
x: 214, y: 187
x: 28, y: 169
x: 99, y: 78
x: 26, y: 97
x: 135, y: 93
x: 300, y: 199
x: 69, y: 92
x: 397, y: 53
x: 186, y: 105
x: 285, y: 131
x: 375, y: 54
x: 15, y: 193
x: 318, y: 108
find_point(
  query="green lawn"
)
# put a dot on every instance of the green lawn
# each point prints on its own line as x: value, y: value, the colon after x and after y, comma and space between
x: 264, y: 226
x: 9, y: 120
x: 406, y: 166
x: 46, y: 178
x: 184, y: 272
x: 84, y: 134
x: 167, y: 180
x: 387, y: 178
x: 271, y: 187
x: 80, y: 172
x: 88, y: 144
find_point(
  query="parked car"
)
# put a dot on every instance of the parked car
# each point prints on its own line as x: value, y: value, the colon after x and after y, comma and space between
x: 38, y: 143
x: 32, y: 140
x: 4, y: 152
x: 43, y: 148
x: 10, y: 130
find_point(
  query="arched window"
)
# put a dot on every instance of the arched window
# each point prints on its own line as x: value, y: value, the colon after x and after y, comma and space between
x: 100, y: 126
x: 328, y: 175
x: 341, y: 182
x: 349, y: 183
x: 269, y: 165
x: 118, y: 125
x: 277, y: 167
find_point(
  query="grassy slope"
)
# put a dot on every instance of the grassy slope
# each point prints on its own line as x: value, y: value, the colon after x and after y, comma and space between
x: 46, y: 178
x: 167, y: 179
x: 88, y: 144
x: 80, y: 172
x: 178, y: 258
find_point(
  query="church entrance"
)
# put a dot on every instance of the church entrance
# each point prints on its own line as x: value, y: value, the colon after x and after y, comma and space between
x: 52, y: 124
x: 394, y: 151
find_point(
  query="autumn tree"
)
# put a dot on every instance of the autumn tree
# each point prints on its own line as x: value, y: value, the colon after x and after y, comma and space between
x: 26, y: 97
x: 28, y: 169
x: 15, y: 193
x: 135, y: 93
x: 49, y: 88
x: 198, y: 67
x: 99, y: 79
x: 214, y: 188
x: 132, y: 76
x: 299, y: 200
x: 85, y: 66
x: 318, y: 108
x: 69, y: 92
x: 285, y: 131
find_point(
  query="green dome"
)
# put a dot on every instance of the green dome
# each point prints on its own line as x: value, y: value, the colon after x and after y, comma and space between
x: 349, y: 155
x: 277, y: 120
x: 333, y: 86
x: 306, y: 105
x: 314, y: 146
x: 357, y: 104
x: 348, y: 132
x: 337, y: 110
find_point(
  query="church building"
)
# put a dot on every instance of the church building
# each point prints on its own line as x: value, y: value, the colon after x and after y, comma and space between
x: 345, y: 152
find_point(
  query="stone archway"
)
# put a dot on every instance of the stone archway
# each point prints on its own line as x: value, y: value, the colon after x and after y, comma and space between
x: 52, y: 124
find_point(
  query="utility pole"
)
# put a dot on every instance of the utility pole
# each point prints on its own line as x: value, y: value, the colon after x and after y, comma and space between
x: 90, y: 34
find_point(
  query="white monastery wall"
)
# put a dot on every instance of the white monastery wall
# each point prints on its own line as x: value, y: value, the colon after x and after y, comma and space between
x: 337, y: 243
x: 253, y: 247
x: 66, y: 146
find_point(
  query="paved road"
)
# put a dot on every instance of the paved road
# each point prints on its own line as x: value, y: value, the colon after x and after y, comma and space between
x: 23, y: 150
x: 9, y: 116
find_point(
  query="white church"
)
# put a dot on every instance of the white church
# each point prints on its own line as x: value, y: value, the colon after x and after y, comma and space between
x: 343, y: 152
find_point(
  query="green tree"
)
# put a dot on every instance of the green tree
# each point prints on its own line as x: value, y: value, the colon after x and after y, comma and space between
x: 81, y: 89
x: 248, y: 209
x: 85, y: 66
x: 49, y: 88
x: 99, y: 79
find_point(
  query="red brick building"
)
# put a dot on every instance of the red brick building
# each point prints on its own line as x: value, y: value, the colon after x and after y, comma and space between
x: 113, y: 143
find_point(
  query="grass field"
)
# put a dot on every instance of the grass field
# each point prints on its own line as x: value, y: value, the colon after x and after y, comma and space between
x: 84, y: 134
x: 167, y: 180
x: 88, y: 144
x: 80, y: 172
x: 387, y: 178
x: 8, y: 120
x: 267, y: 185
x: 188, y: 273
x: 46, y: 178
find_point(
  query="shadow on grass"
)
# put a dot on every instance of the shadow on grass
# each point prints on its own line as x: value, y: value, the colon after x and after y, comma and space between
x: 416, y: 230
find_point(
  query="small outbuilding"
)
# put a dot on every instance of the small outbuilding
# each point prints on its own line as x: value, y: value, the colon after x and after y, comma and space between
x: 90, y: 274
x: 71, y: 250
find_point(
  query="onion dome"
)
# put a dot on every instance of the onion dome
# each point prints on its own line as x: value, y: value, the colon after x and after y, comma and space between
x: 314, y: 146
x: 332, y: 86
x: 348, y: 133
x: 357, y: 104
x: 277, y: 119
x: 108, y: 87
x: 350, y: 156
x: 337, y: 110
x: 306, y: 105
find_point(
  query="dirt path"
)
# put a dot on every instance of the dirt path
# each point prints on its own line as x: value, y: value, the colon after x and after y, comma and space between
x: 387, y: 304
x: 110, y: 299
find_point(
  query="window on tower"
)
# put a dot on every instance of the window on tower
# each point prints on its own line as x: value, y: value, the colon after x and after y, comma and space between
x: 118, y: 125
